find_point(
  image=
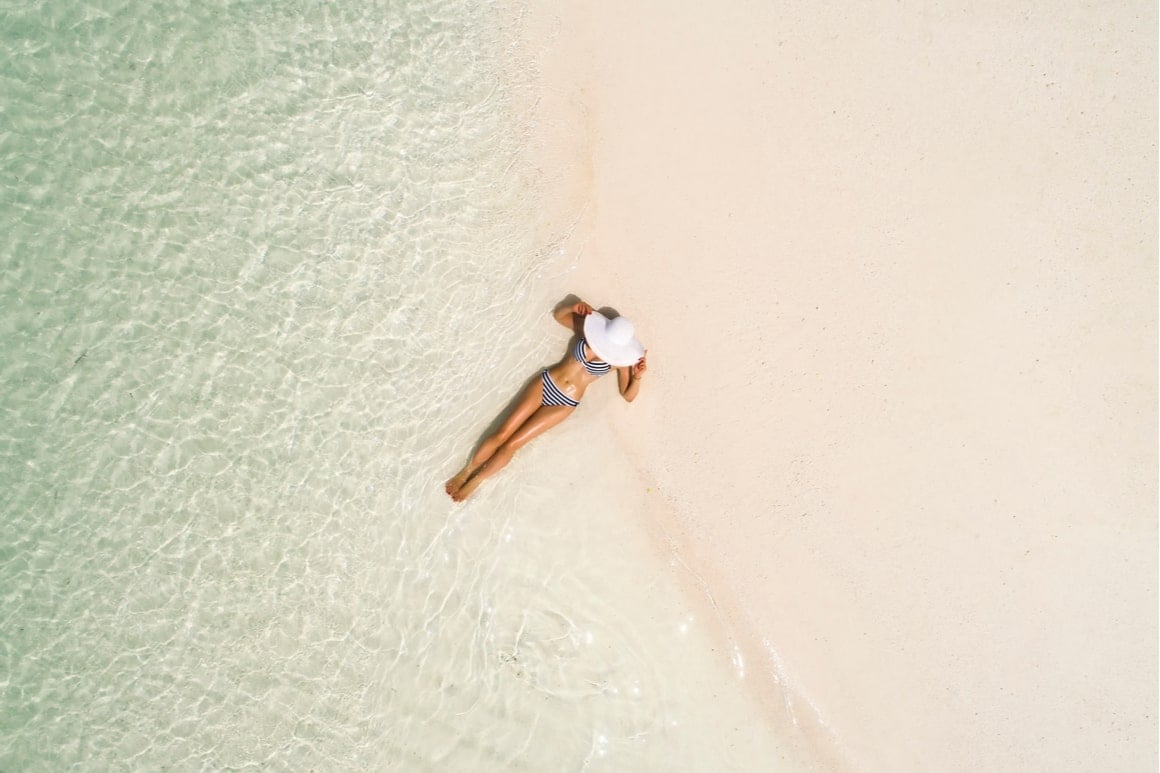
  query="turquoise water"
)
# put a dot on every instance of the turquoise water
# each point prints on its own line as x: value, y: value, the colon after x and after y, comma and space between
x: 268, y: 271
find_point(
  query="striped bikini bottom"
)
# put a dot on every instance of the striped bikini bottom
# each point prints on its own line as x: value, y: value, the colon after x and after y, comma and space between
x: 552, y: 394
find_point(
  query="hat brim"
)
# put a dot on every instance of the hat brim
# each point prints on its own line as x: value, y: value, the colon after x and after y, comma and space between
x: 619, y: 355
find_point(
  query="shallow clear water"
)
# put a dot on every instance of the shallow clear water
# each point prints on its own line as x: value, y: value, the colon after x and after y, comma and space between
x: 267, y: 274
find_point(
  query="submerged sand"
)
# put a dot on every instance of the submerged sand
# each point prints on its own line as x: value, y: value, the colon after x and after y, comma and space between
x: 896, y: 269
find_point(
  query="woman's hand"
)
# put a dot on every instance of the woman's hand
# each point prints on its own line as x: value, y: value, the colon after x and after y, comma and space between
x: 640, y: 367
x: 628, y: 379
x: 572, y: 317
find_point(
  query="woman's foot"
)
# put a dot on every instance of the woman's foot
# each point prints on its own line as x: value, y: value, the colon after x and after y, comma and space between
x: 456, y: 483
x: 466, y: 489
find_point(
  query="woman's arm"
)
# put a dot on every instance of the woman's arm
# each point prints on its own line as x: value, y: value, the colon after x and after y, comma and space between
x: 629, y: 379
x: 572, y: 317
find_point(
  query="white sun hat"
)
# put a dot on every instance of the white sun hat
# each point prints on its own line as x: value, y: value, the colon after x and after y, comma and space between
x: 613, y: 340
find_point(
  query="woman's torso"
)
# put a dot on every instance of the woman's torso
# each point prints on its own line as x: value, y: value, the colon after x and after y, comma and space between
x: 571, y: 375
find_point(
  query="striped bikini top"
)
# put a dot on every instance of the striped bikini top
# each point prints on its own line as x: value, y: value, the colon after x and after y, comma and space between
x: 595, y: 367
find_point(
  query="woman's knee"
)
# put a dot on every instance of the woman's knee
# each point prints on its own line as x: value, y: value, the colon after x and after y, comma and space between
x: 507, y: 450
x: 494, y: 442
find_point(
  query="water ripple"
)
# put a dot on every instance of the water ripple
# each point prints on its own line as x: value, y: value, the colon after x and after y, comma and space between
x: 265, y: 272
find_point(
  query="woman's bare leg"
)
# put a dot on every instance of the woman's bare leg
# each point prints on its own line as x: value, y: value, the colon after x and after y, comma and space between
x: 545, y: 417
x: 529, y: 402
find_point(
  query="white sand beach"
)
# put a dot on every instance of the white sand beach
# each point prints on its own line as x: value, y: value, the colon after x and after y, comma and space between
x: 895, y: 265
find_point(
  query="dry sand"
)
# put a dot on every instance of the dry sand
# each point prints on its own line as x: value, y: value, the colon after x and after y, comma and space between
x: 896, y: 267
